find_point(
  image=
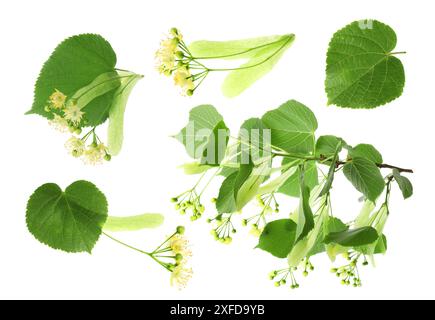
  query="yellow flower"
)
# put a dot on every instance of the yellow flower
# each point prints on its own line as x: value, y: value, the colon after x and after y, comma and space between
x: 180, y: 245
x: 73, y: 113
x: 57, y: 99
x: 94, y: 154
x: 183, y: 79
x: 75, y: 146
x: 180, y: 276
x: 166, y: 55
x: 59, y: 123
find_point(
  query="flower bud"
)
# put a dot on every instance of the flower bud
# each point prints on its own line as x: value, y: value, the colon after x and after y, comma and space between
x: 181, y: 230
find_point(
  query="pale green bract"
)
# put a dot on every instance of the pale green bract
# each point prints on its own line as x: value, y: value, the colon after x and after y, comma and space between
x: 362, y: 70
x: 134, y: 223
x: 69, y: 220
x: 263, y: 54
x: 115, y: 133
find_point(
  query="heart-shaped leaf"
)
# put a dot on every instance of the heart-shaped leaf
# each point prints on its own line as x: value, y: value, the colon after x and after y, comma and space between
x: 69, y: 220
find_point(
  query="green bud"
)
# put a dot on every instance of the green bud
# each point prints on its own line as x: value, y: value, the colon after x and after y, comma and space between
x: 277, y: 284
x: 189, y: 92
x: 305, y: 273
x: 107, y: 157
x: 244, y: 222
x: 179, y: 54
x: 213, y: 200
x: 283, y: 282
x: 178, y: 257
x: 272, y: 275
x: 47, y: 109
x: 174, y: 200
x: 334, y: 270
x: 181, y: 230
x: 78, y: 131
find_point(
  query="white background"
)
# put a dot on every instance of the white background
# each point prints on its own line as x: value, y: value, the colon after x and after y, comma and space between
x: 144, y: 177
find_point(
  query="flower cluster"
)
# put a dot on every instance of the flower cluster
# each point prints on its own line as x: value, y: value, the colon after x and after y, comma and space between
x: 174, y: 60
x: 224, y: 228
x: 173, y: 254
x: 269, y: 205
x: 349, y: 273
x: 281, y: 277
x: 68, y: 117
x: 189, y: 202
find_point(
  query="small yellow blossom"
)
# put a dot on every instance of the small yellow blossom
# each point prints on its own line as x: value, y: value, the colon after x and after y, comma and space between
x: 166, y: 55
x: 94, y: 155
x: 75, y: 146
x: 180, y: 276
x: 180, y: 245
x: 183, y: 79
x: 73, y: 113
x: 59, y: 123
x: 57, y: 100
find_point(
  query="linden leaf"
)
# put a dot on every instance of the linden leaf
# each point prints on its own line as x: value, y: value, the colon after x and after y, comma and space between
x: 291, y: 186
x: 278, y: 237
x: 292, y: 127
x: 69, y: 220
x: 73, y: 65
x: 404, y: 183
x: 206, y: 136
x: 365, y: 177
x: 362, y: 70
x: 366, y: 151
x: 353, y: 238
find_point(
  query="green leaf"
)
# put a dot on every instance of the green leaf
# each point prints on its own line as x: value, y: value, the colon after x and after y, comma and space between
x: 365, y: 177
x: 260, y: 64
x: 70, y: 221
x: 353, y: 238
x: 74, y: 64
x: 335, y: 225
x: 292, y: 185
x: 378, y: 247
x: 293, y: 126
x: 206, y: 136
x: 368, y: 152
x: 134, y: 223
x: 362, y: 70
x: 278, y: 237
x: 254, y: 141
x: 116, y: 112
x: 326, y: 146
x: 404, y: 183
x: 305, y: 214
x: 226, y: 201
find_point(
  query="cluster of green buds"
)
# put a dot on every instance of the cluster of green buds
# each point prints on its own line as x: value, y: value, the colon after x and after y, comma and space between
x: 349, y: 273
x: 281, y: 277
x: 189, y: 202
x: 269, y: 205
x: 224, y: 228
x: 308, y: 267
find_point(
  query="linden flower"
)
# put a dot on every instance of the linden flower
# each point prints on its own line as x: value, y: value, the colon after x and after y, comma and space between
x: 75, y: 146
x: 57, y: 100
x: 166, y: 55
x: 94, y: 154
x: 73, y: 113
x: 183, y: 79
x: 59, y: 123
x: 180, y: 245
x: 180, y: 276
